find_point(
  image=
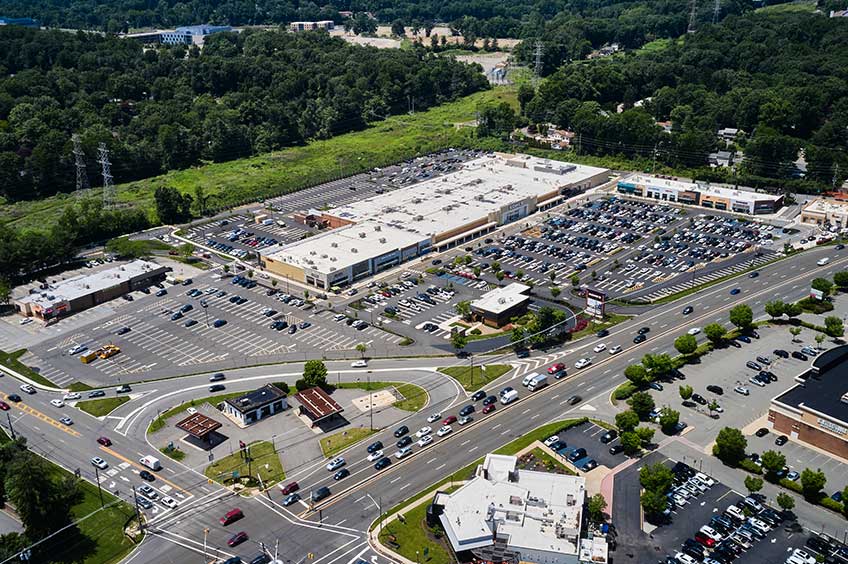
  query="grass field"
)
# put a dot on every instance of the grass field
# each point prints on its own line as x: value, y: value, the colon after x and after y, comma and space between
x: 101, y: 407
x: 262, y: 454
x: 414, y: 396
x: 803, y: 6
x: 288, y: 170
x: 10, y: 360
x: 160, y: 421
x: 337, y: 442
x: 480, y: 376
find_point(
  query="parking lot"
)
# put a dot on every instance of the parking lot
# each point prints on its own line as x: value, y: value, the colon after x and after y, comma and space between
x: 174, y: 333
x: 588, y: 437
x: 623, y: 246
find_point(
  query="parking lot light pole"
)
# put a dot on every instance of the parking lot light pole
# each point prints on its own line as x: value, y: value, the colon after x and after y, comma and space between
x: 99, y: 489
x: 205, y: 311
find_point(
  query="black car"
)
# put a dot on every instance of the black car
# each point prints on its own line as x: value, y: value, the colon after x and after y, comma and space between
x: 145, y: 475
x: 573, y: 400
x: 639, y: 339
x: 558, y: 446
x: 478, y: 395
x: 602, y: 333
x: 717, y: 390
x: 260, y: 558
x: 687, y: 310
x: 401, y: 431
x: 819, y: 545
x: 382, y: 463
x: 754, y: 274
x: 219, y: 323
x: 217, y: 387
x: 341, y: 474
x: 374, y: 447
x: 577, y: 454
x: 590, y: 464
x: 799, y: 355
x: 695, y: 551
x: 320, y: 493
x: 16, y: 397
x: 609, y: 436
x: 404, y: 441
x: 490, y: 400
x: 781, y: 440
x: 123, y: 331
x: 643, y: 330
x: 466, y: 411
x: 92, y: 394
x: 699, y: 399
x: 523, y: 353
x: 762, y: 432
x: 781, y: 353
x: 616, y: 448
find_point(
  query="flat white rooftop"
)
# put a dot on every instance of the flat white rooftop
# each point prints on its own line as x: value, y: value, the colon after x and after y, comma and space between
x: 500, y: 300
x: 343, y: 247
x: 483, y: 186
x: 85, y: 284
x: 532, y: 510
x: 703, y: 188
x: 827, y: 206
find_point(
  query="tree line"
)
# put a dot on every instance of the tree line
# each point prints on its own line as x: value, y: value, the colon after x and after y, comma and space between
x: 773, y: 75
x: 173, y: 107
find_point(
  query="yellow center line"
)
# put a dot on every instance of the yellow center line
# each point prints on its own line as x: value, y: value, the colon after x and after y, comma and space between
x: 139, y: 466
x: 35, y: 413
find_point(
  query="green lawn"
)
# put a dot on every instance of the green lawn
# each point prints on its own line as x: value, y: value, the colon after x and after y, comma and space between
x: 10, y: 360
x: 101, y: 407
x: 802, y: 6
x: 337, y: 442
x: 414, y: 536
x: 79, y: 387
x: 414, y: 397
x: 480, y: 376
x: 550, y: 462
x: 263, y: 462
x: 291, y: 169
x: 104, y: 530
x: 160, y: 421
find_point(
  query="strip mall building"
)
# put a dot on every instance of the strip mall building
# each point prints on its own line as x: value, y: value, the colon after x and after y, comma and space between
x: 380, y: 232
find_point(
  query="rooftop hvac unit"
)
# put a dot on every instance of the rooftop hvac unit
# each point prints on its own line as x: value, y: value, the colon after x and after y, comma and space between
x: 418, y: 200
x: 334, y: 245
x: 354, y: 250
x: 419, y: 218
x: 333, y: 259
x: 382, y: 239
x: 313, y: 253
x: 332, y: 269
x: 362, y: 234
x: 324, y: 256
x: 378, y: 228
x: 479, y: 197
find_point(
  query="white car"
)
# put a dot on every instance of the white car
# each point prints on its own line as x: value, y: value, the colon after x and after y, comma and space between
x: 359, y: 364
x: 405, y: 451
x: 582, y: 363
x: 25, y: 320
x: 756, y: 382
x: 57, y: 403
x: 76, y: 349
x: 704, y: 479
x: 694, y: 330
x: 718, y: 409
x: 169, y: 502
x: 191, y: 410
x: 425, y: 440
x: 335, y: 464
x: 615, y: 350
x: 551, y: 440
x: 27, y: 388
x: 599, y: 347
x: 464, y: 420
x: 801, y: 556
x: 433, y: 418
x: 712, y: 533
x: 72, y: 396
x: 423, y: 432
x: 742, y: 390
x: 99, y: 462
x: 376, y: 455
x: 446, y: 430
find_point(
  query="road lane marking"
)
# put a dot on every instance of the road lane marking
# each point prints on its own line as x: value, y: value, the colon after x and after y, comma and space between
x: 124, y: 459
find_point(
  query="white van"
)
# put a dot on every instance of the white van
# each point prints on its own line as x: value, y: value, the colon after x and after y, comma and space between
x: 823, y: 261
x: 527, y: 379
x: 509, y: 397
x: 151, y: 462
x: 540, y: 381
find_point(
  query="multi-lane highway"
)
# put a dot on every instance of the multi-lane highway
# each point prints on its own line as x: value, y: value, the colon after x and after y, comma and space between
x: 179, y: 536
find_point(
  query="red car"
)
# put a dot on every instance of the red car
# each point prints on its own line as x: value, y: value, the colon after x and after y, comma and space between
x: 558, y: 367
x: 237, y: 539
x: 449, y: 419
x: 289, y: 488
x: 232, y: 515
x: 4, y: 406
x: 489, y: 408
x: 104, y: 441
x: 705, y: 540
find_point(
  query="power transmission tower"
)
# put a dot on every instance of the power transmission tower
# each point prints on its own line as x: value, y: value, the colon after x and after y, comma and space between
x: 538, y: 66
x: 79, y: 163
x: 716, y: 11
x: 108, y: 185
x: 693, y: 10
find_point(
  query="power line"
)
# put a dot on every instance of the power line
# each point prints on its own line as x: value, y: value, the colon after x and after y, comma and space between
x: 108, y: 185
x: 716, y: 11
x: 79, y: 163
x: 537, y: 69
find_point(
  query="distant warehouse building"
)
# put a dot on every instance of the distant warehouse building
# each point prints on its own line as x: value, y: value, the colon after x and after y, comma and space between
x: 83, y: 292
x: 700, y: 194
x: 329, y: 25
x: 826, y: 211
x: 23, y: 22
x: 815, y: 410
x: 382, y: 231
x: 187, y: 35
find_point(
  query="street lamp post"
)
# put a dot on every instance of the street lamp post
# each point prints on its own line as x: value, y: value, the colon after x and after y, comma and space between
x: 205, y: 311
x: 205, y: 534
x: 99, y: 489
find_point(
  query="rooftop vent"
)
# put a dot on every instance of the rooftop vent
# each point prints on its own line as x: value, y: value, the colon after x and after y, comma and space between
x: 324, y: 256
x: 334, y: 245
x: 419, y: 218
x: 382, y: 239
x: 362, y: 234
x: 354, y: 250
x: 378, y: 228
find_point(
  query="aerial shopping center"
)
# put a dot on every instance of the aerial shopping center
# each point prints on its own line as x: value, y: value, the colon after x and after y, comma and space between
x: 378, y: 233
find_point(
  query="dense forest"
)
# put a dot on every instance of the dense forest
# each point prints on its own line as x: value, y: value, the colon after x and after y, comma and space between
x: 168, y: 108
x: 780, y: 77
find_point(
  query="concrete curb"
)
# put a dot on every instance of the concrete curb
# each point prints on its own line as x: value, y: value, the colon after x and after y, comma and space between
x: 32, y: 383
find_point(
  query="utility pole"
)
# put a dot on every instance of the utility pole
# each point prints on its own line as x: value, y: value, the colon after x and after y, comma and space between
x: 537, y: 69
x: 11, y: 429
x: 138, y: 511
x: 108, y: 185
x: 370, y: 402
x: 99, y: 489
x: 716, y: 11
x: 205, y: 534
x: 692, y: 11
x: 79, y: 163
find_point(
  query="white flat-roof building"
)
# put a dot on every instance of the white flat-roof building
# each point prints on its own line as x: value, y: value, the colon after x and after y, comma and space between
x: 511, y: 515
x: 701, y: 194
x: 498, y: 306
x: 823, y: 211
x: 84, y: 291
x: 436, y: 214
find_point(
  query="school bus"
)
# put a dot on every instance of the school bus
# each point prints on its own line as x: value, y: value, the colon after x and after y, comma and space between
x: 88, y: 357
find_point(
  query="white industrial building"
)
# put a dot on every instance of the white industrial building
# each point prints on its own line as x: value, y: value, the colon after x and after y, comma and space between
x: 505, y: 514
x: 384, y: 230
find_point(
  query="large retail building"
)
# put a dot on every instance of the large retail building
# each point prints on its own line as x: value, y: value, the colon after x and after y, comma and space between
x: 815, y: 410
x: 382, y: 231
x: 701, y: 194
